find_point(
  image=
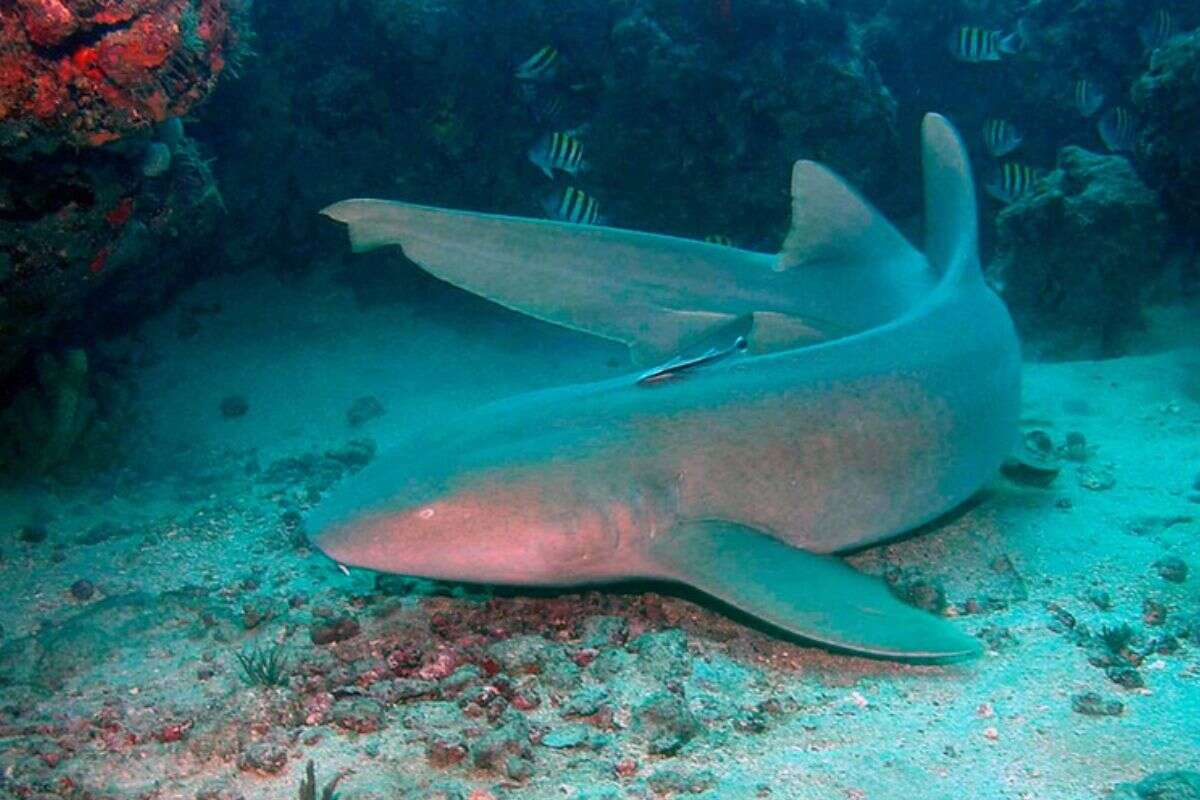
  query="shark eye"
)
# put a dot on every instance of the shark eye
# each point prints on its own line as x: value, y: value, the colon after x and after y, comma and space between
x: 425, y: 513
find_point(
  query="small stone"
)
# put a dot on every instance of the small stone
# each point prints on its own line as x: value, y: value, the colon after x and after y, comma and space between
x: 443, y: 752
x: 336, y: 631
x: 83, y: 590
x: 265, y: 757
x: 1125, y: 676
x: 1175, y: 785
x: 234, y: 406
x: 103, y: 532
x: 569, y: 736
x: 1096, y: 479
x: 913, y: 587
x: 254, y: 615
x: 1100, y: 599
x: 32, y: 534
x: 1171, y: 568
x: 1075, y: 447
x: 1092, y: 704
x: 492, y: 750
x: 585, y: 702
x: 363, y: 410
x: 358, y: 714
x: 606, y: 631
x: 1153, y: 612
x: 669, y: 780
x: 666, y: 722
x: 518, y: 769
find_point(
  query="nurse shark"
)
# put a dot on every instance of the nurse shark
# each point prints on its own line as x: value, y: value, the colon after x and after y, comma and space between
x: 842, y: 392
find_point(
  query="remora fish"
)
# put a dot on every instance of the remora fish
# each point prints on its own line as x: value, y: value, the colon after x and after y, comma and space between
x: 741, y: 474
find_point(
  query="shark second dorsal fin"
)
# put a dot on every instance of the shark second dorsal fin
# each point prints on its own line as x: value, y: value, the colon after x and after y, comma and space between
x: 951, y: 227
x: 831, y: 224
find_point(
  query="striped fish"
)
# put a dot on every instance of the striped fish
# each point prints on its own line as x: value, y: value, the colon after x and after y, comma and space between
x: 1088, y: 97
x: 541, y: 66
x: 719, y: 238
x: 560, y: 151
x: 1118, y: 130
x: 974, y: 45
x: 573, y: 205
x: 1156, y: 31
x: 1001, y: 137
x: 1012, y: 181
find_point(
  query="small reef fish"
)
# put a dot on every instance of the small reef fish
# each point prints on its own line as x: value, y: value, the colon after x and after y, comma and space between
x: 1088, y: 97
x: 1012, y: 181
x: 573, y: 205
x: 156, y: 160
x: 545, y: 105
x: 541, y: 66
x: 560, y: 151
x: 1001, y: 137
x: 740, y: 475
x: 719, y: 238
x: 1118, y: 130
x: 975, y: 45
x: 1156, y: 30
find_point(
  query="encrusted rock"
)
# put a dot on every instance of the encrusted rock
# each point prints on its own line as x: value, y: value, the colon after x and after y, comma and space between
x: 666, y: 722
x: 335, y: 631
x: 1075, y: 255
x: 267, y: 757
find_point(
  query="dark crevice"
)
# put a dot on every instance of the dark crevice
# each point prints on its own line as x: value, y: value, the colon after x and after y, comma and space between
x: 88, y: 37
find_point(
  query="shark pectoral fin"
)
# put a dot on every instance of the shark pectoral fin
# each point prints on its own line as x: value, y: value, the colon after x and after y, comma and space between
x: 774, y: 331
x: 816, y: 597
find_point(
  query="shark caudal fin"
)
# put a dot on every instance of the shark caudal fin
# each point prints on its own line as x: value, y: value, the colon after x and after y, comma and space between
x: 817, y: 597
x: 951, y: 218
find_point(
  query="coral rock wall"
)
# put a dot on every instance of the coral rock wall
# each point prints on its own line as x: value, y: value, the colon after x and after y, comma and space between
x: 86, y: 72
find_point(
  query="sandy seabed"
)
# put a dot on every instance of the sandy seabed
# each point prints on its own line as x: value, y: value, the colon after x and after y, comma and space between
x: 409, y: 689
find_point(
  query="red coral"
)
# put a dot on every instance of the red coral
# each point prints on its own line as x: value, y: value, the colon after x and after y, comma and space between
x: 120, y: 213
x: 139, y: 65
x: 97, y: 264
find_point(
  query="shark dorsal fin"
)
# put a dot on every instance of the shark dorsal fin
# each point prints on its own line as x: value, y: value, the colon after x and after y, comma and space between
x: 831, y: 224
x: 951, y: 227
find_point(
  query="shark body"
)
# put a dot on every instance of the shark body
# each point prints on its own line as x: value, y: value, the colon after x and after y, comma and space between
x: 736, y: 473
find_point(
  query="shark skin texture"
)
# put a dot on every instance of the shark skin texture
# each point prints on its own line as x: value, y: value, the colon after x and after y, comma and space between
x: 743, y: 471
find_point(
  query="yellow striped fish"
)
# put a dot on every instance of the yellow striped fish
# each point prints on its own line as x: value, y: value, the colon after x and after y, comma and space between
x: 719, y: 238
x: 1156, y: 30
x: 541, y: 66
x: 1001, y: 137
x: 573, y: 205
x: 560, y: 151
x: 1012, y: 182
x: 974, y: 45
x: 1118, y: 130
x: 1088, y: 97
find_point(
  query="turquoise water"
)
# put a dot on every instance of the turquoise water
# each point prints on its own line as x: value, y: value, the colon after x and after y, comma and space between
x: 651, y: 464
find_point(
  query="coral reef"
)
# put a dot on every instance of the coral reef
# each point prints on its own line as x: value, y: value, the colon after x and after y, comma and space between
x: 1075, y: 256
x: 66, y: 422
x: 83, y: 73
x: 1167, y: 97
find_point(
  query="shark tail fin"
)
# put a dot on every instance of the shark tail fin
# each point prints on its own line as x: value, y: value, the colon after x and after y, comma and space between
x: 370, y: 223
x: 951, y: 227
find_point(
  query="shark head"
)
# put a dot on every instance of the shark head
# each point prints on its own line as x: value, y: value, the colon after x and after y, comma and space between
x: 450, y: 509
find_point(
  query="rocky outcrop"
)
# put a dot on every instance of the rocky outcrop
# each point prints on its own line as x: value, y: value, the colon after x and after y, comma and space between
x: 1075, y: 256
x: 1167, y: 97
